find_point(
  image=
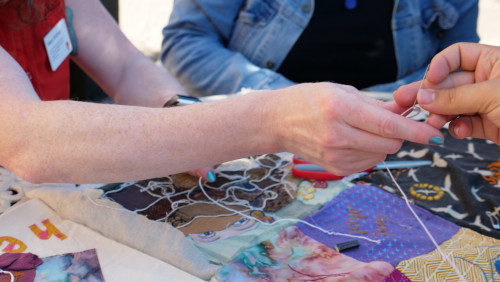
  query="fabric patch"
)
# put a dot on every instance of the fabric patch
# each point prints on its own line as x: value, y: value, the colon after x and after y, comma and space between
x: 396, y: 276
x: 119, y: 262
x: 461, y: 185
x: 226, y: 248
x: 312, y: 192
x: 292, y: 256
x: 370, y: 212
x: 475, y: 256
x: 81, y: 266
x: 262, y: 183
x: 22, y: 266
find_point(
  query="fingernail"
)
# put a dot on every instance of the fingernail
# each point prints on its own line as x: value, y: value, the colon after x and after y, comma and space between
x: 436, y: 140
x: 456, y: 130
x: 425, y: 96
x: 211, y: 176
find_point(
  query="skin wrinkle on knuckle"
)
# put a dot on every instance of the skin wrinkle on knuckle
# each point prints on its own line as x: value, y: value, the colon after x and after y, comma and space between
x: 331, y: 107
x: 492, y: 58
x: 387, y: 128
x: 334, y: 140
x: 450, y: 97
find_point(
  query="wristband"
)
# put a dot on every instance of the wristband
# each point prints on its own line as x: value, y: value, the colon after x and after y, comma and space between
x: 181, y: 100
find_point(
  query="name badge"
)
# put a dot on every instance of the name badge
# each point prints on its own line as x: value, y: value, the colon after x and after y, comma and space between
x: 57, y: 44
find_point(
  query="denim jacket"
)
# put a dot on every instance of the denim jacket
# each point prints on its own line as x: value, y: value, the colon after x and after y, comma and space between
x: 221, y: 47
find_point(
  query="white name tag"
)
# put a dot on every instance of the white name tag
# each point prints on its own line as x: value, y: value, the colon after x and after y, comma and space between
x: 57, y: 44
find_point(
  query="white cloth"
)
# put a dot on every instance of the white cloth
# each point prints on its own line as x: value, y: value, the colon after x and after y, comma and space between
x: 156, y: 239
x: 118, y: 262
x: 10, y: 190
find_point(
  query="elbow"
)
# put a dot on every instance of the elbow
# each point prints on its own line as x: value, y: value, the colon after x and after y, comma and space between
x: 31, y: 172
x: 27, y: 174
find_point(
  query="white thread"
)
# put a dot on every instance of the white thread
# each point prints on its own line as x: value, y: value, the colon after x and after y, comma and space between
x: 284, y: 219
x: 7, y: 272
x: 451, y: 262
x: 134, y: 212
x: 409, y: 112
x: 165, y: 189
x: 414, y: 106
x: 302, y: 221
x: 229, y: 194
x: 104, y: 206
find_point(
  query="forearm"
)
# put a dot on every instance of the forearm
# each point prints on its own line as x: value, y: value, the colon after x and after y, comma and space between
x: 65, y: 141
x: 145, y: 84
x: 123, y: 72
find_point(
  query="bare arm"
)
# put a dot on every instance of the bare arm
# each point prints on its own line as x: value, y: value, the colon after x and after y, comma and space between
x: 114, y: 63
x: 68, y: 141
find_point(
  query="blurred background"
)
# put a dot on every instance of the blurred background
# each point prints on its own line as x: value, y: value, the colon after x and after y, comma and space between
x: 143, y: 21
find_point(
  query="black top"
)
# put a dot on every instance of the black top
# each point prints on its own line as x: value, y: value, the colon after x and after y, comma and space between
x: 344, y: 45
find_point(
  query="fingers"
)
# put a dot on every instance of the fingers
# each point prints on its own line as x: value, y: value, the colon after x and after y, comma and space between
x: 478, y: 106
x: 406, y: 94
x: 350, y: 150
x: 461, y: 128
x: 352, y: 162
x: 463, y: 56
x: 205, y: 173
x: 438, y: 121
x: 386, y: 124
x: 357, y: 138
x: 476, y: 63
x: 467, y: 99
x: 475, y: 126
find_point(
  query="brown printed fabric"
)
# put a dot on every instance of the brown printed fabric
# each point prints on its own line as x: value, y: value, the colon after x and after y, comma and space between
x: 262, y: 183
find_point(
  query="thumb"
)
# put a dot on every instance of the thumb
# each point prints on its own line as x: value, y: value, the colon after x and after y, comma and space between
x: 476, y: 98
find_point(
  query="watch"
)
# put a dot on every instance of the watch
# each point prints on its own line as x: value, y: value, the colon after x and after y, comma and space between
x: 181, y: 100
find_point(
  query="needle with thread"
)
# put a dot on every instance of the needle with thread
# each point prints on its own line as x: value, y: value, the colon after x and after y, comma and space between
x: 415, y: 106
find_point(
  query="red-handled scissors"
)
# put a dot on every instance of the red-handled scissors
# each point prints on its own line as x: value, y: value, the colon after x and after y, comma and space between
x: 307, y: 170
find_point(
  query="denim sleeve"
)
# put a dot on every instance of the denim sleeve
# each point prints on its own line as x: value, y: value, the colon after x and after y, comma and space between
x: 194, y: 50
x: 455, y: 21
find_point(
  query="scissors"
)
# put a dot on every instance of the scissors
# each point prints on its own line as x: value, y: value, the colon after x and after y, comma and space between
x: 304, y: 169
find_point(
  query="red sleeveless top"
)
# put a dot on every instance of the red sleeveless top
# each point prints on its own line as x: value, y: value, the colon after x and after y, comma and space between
x: 24, y: 42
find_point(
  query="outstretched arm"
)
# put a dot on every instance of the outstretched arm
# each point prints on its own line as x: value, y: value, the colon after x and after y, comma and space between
x: 66, y: 141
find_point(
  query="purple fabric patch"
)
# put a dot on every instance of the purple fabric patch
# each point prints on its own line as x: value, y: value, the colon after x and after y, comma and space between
x: 371, y: 212
x: 396, y: 276
x: 21, y: 265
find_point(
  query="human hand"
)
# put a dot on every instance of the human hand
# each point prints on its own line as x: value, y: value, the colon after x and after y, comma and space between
x: 206, y: 173
x: 468, y: 98
x: 340, y: 129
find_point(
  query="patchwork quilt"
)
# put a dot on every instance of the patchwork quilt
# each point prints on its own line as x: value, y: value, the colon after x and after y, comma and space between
x: 258, y: 222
